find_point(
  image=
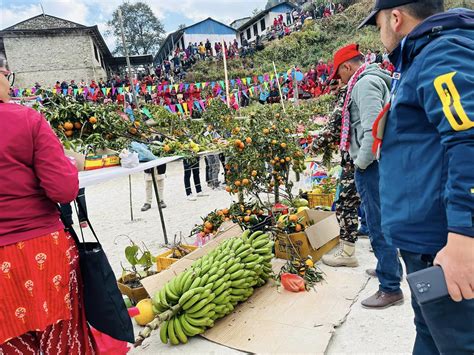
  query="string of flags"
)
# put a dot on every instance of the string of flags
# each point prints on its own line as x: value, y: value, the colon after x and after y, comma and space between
x: 249, y: 86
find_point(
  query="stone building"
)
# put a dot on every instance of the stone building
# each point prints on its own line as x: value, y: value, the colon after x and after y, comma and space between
x: 46, y: 49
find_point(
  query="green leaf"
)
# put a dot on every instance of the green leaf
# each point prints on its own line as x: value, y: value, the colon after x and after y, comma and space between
x: 131, y: 254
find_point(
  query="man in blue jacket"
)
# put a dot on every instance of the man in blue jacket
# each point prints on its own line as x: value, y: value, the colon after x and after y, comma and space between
x: 427, y: 159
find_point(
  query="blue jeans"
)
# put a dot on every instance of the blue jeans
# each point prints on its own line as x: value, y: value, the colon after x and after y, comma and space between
x: 363, y: 229
x: 389, y: 269
x: 442, y: 326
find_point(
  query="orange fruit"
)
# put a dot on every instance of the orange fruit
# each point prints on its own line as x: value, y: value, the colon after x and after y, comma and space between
x: 283, y: 145
x: 266, y: 131
x: 166, y: 148
x: 69, y: 133
x: 228, y: 189
x: 248, y: 140
x: 227, y: 166
x: 248, y: 212
x: 225, y: 211
x: 236, y: 191
x: 237, y: 183
x: 298, y: 227
x: 93, y: 120
x: 241, y: 145
x: 77, y: 125
x: 293, y: 218
x: 227, y: 219
x: 136, y: 124
x: 245, y: 181
x: 288, y: 159
x: 282, y: 161
x: 133, y: 130
x: 247, y: 219
x: 208, y: 225
x: 274, y: 142
x: 274, y: 127
x: 254, y: 173
x: 220, y: 213
x: 287, y: 130
x: 68, y: 126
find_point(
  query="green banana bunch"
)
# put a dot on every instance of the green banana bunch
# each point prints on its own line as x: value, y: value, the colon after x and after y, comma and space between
x: 214, y: 284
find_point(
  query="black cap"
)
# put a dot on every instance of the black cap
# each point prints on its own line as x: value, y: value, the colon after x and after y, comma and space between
x: 382, y: 5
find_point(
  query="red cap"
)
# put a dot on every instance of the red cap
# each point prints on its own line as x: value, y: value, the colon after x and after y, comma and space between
x: 343, y: 55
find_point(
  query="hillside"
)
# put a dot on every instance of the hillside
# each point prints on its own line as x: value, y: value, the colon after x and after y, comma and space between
x: 318, y: 40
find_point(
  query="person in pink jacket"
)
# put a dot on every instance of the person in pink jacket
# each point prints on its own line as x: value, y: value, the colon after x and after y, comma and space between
x: 41, y: 309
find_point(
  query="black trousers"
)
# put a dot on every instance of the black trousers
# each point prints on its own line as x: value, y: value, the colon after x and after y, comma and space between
x: 191, y: 166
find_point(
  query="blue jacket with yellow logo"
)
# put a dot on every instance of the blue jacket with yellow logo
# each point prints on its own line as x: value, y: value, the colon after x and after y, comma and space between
x: 427, y: 155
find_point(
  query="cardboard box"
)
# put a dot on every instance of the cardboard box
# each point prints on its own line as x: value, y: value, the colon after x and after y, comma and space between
x: 320, y: 236
x: 101, y: 158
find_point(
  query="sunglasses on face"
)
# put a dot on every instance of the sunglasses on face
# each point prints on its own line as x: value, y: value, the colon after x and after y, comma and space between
x: 9, y: 75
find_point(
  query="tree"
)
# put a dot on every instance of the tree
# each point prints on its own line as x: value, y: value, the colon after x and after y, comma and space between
x: 180, y: 27
x: 256, y: 11
x: 143, y: 31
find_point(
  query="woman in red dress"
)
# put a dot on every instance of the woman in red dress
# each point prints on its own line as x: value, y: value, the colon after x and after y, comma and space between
x: 41, y: 311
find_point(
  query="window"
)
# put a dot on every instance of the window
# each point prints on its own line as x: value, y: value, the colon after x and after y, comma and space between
x: 255, y: 30
x: 242, y: 38
x: 249, y: 35
x: 96, y: 53
x: 262, y: 24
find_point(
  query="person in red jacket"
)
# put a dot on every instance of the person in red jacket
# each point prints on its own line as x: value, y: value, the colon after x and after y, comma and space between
x: 40, y: 282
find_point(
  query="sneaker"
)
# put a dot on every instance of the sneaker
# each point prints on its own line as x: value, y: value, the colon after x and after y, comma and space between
x: 201, y: 194
x: 371, y: 272
x: 345, y: 256
x: 382, y: 300
x: 192, y: 198
x: 83, y: 224
x: 146, y: 207
x: 163, y: 204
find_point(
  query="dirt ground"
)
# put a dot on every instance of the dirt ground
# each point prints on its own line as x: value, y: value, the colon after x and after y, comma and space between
x: 389, y: 331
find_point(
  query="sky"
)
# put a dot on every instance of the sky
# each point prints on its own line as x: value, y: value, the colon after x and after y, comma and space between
x: 172, y: 13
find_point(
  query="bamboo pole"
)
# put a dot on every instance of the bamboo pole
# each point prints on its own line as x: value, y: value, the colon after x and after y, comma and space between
x: 279, y: 87
x: 224, y: 55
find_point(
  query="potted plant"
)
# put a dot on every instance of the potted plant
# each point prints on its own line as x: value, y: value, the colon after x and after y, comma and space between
x: 141, y: 261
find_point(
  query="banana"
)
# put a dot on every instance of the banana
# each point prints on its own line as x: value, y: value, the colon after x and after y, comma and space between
x: 164, y: 332
x: 242, y: 248
x: 267, y: 258
x: 203, y: 311
x: 259, y: 244
x: 226, y: 258
x: 236, y: 275
x: 188, y: 275
x: 189, y: 329
x: 213, y: 278
x: 177, y: 283
x: 209, y: 285
x: 245, y: 235
x: 223, y: 298
x: 250, y: 258
x: 205, y: 269
x: 234, y: 268
x: 170, y: 295
x: 263, y: 251
x: 237, y: 291
x: 261, y: 237
x: 195, y: 283
x: 204, y: 279
x: 220, y: 308
x: 196, y: 264
x: 198, y: 306
x: 196, y: 322
x: 254, y: 235
x: 163, y: 299
x: 171, y: 333
x: 191, y: 302
x: 237, y: 244
x: 226, y: 277
x: 245, y: 253
x: 220, y: 272
x: 188, y: 282
x: 220, y: 289
x: 218, y: 283
x: 238, y: 283
x: 179, y: 331
x: 189, y: 294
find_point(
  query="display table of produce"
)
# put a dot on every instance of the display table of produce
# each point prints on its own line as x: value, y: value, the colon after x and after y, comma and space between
x: 94, y: 177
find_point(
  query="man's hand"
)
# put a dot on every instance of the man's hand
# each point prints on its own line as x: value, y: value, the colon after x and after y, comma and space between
x: 457, y: 261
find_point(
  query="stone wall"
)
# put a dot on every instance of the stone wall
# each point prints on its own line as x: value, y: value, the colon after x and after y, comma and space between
x: 47, y: 59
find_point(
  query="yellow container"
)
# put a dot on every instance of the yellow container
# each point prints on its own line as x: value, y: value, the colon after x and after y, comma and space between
x: 164, y: 260
x: 316, y: 200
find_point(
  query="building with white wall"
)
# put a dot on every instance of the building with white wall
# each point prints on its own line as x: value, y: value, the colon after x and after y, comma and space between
x: 262, y: 22
x: 209, y: 28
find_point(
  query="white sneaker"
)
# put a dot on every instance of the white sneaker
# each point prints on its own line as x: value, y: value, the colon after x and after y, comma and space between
x: 192, y: 198
x: 202, y: 194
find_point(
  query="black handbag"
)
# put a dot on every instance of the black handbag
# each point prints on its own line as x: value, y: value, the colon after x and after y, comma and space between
x: 104, y: 306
